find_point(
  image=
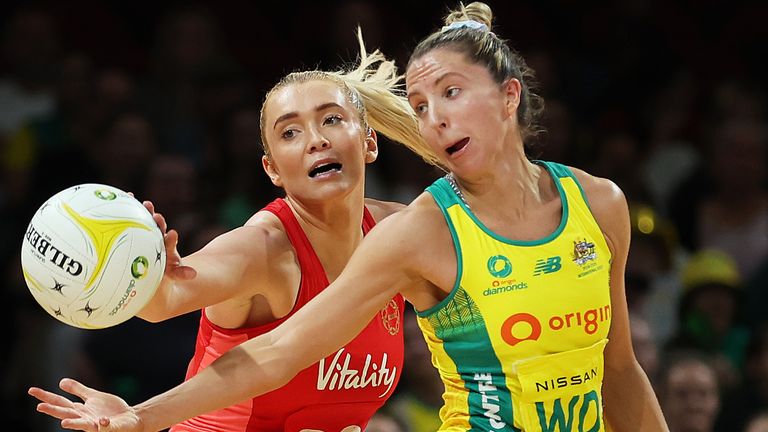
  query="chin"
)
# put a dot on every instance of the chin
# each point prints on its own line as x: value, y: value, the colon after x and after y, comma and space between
x: 332, y: 191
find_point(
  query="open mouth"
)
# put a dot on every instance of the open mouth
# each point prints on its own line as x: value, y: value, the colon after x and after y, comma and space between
x: 458, y: 146
x: 323, y: 169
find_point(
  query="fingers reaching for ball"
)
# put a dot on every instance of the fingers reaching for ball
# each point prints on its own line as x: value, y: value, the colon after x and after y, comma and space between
x: 173, y: 261
x: 158, y: 217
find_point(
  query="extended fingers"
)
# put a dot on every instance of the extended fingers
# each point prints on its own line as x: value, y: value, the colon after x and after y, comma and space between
x: 160, y: 221
x: 58, y: 411
x: 159, y: 218
x: 80, y: 424
x: 76, y: 388
x: 49, y: 398
x: 149, y: 205
x: 170, y: 240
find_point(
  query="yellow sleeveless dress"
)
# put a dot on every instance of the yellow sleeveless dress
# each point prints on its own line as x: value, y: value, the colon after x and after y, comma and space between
x: 519, y: 340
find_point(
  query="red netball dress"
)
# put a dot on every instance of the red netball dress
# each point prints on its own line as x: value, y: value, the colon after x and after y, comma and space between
x: 341, y: 392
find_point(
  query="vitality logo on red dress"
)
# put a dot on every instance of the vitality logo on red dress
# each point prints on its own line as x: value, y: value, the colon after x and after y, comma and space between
x: 339, y: 375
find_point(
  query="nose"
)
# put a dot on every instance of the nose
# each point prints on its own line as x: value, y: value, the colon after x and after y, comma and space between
x: 317, y: 141
x: 436, y: 118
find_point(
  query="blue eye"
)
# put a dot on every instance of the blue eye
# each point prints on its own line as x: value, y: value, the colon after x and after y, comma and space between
x: 288, y: 134
x: 332, y: 119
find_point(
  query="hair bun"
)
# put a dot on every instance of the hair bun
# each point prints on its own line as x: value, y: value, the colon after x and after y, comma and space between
x: 475, y: 11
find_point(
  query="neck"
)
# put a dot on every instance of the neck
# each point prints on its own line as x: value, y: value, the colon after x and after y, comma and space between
x: 332, y: 226
x: 515, y: 181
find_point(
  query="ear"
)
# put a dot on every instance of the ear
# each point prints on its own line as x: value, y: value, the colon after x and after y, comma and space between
x: 371, y: 146
x: 512, y: 91
x: 271, y: 170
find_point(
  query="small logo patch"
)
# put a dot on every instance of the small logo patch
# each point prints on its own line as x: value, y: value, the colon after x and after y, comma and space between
x: 583, y: 252
x: 390, y: 317
x: 499, y: 266
x: 547, y: 265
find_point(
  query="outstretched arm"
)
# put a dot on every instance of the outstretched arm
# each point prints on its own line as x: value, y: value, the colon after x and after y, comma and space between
x: 373, y: 276
x: 231, y: 265
x: 630, y: 403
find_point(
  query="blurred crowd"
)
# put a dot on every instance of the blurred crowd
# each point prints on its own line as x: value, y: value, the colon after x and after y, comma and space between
x: 666, y: 98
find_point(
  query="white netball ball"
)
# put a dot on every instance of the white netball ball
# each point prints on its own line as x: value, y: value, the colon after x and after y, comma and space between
x: 92, y: 256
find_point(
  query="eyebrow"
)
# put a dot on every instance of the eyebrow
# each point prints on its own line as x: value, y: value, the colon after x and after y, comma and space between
x: 294, y: 114
x: 437, y: 81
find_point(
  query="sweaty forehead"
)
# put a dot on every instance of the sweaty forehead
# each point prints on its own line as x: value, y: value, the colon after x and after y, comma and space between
x: 304, y: 97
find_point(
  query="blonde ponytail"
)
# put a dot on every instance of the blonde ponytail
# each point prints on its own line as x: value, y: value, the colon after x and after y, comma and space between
x: 388, y: 110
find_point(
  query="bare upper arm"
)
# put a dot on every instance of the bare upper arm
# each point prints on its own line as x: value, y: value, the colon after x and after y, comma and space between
x: 236, y: 264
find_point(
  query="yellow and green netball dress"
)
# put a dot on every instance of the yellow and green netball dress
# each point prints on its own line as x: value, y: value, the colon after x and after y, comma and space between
x: 519, y: 340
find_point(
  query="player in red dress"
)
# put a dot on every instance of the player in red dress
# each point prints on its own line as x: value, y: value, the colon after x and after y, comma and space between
x: 341, y: 391
x: 318, y: 135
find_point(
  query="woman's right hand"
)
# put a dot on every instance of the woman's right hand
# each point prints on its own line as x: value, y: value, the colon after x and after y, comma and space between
x: 99, y: 411
x: 173, y: 267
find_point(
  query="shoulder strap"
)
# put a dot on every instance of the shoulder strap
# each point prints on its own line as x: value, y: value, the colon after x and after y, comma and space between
x: 368, y: 220
x: 308, y: 260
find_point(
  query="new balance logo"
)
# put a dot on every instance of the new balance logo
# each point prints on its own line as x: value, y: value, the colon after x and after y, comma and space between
x: 548, y: 265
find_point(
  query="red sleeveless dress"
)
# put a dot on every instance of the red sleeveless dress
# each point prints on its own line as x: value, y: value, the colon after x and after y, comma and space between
x: 341, y: 392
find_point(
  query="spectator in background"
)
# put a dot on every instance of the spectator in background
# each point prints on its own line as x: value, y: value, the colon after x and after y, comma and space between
x: 645, y: 347
x: 241, y: 189
x: 115, y: 88
x: 725, y: 204
x: 172, y: 184
x: 126, y: 149
x: 652, y: 280
x: 689, y: 395
x: 751, y: 398
x: 671, y: 153
x: 54, y: 151
x: 188, y: 54
x: 30, y: 49
x: 618, y: 156
x: 758, y: 423
x: 734, y: 218
x: 710, y: 319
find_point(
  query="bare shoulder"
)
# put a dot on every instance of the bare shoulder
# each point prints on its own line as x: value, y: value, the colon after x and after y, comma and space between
x: 259, y: 253
x: 261, y: 233
x: 381, y: 209
x: 418, y: 215
x: 608, y: 205
x: 414, y: 230
x: 604, y: 196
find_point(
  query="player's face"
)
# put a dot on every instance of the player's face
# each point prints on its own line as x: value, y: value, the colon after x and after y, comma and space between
x: 691, y: 397
x: 464, y: 115
x: 317, y: 145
